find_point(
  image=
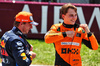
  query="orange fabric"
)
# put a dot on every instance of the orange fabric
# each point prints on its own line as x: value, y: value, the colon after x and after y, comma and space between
x: 52, y: 34
x: 94, y: 42
x: 23, y: 17
x: 68, y: 48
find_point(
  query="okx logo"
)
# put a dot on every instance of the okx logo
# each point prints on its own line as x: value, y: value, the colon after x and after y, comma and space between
x: 68, y: 50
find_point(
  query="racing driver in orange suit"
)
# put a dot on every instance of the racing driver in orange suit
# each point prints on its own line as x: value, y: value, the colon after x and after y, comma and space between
x: 68, y: 36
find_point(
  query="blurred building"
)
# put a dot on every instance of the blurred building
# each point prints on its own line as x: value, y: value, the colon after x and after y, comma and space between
x: 73, y: 1
x: 63, y: 1
x: 31, y: 0
x: 94, y: 1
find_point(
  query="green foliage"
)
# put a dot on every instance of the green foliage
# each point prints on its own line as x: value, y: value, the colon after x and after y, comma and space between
x: 90, y: 57
x: 46, y: 54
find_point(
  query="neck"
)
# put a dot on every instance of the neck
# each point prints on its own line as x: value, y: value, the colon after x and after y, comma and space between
x: 68, y: 25
x: 17, y: 31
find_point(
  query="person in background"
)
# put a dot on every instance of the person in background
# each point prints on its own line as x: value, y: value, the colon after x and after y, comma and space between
x: 68, y: 36
x: 15, y: 50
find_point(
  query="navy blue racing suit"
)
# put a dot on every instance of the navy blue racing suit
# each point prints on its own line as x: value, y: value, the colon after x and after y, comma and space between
x: 15, y: 49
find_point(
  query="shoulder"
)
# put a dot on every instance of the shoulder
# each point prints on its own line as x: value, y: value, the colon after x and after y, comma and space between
x: 17, y: 45
x: 55, y: 26
x: 6, y: 35
x: 80, y: 30
x: 17, y: 42
x: 10, y: 36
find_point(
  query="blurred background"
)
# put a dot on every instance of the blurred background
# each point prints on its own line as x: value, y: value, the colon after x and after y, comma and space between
x: 47, y: 13
x: 62, y: 1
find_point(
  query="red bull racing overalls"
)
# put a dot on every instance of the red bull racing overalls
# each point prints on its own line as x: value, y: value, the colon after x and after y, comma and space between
x: 15, y: 49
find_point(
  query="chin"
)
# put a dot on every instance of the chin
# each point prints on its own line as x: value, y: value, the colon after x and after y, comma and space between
x: 25, y: 33
x: 73, y: 23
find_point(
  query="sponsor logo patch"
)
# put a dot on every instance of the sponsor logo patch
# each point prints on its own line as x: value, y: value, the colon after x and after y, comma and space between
x: 3, y: 44
x: 70, y: 43
x: 78, y: 35
x: 23, y: 56
x: 19, y: 43
x: 68, y: 50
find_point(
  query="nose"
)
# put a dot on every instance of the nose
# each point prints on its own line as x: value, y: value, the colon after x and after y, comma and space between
x: 75, y: 17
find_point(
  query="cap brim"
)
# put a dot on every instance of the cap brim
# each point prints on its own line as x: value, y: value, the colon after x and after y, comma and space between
x: 34, y: 23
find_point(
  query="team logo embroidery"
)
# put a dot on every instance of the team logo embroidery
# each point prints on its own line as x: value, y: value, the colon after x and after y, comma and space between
x: 31, y: 57
x: 23, y: 56
x: 58, y: 29
x: 3, y: 51
x: 5, y: 60
x: 19, y: 43
x: 78, y: 35
x: 70, y: 43
x: 83, y: 31
x: 68, y: 50
x: 3, y: 44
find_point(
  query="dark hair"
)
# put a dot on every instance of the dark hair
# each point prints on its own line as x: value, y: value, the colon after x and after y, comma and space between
x: 16, y: 24
x: 65, y: 7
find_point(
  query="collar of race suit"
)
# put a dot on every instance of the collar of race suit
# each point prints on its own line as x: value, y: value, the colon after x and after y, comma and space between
x: 70, y: 26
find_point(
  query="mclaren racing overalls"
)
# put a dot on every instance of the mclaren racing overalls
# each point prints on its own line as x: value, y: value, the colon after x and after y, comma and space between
x: 15, y: 49
x: 68, y: 49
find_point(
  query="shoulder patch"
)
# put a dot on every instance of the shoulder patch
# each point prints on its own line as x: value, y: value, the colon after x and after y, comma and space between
x: 78, y: 35
x: 19, y: 43
x: 58, y: 29
x: 55, y: 26
x: 83, y: 31
x: 52, y: 28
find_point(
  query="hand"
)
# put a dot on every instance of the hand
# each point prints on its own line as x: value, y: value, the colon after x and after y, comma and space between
x: 31, y: 49
x: 85, y: 27
x: 32, y: 54
x: 70, y: 34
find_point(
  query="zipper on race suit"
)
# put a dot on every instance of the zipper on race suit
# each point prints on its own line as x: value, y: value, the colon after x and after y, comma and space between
x: 70, y: 54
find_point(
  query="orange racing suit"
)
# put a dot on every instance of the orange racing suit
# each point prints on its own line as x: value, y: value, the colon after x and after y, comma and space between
x: 68, y: 49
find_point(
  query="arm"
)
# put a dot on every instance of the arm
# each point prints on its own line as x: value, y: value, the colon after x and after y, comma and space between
x: 53, y: 35
x: 19, y: 54
x: 88, y: 38
x: 90, y: 41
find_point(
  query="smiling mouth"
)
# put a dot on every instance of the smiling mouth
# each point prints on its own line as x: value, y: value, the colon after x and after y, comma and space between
x: 72, y: 21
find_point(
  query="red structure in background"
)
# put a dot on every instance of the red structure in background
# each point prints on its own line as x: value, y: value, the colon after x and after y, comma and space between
x: 5, y: 0
x: 9, y: 0
x: 47, y: 14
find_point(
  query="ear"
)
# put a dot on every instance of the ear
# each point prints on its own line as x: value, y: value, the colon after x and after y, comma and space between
x: 20, y: 26
x: 63, y: 16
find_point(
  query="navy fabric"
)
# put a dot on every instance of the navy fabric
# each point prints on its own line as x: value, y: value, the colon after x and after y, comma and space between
x: 15, y: 49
